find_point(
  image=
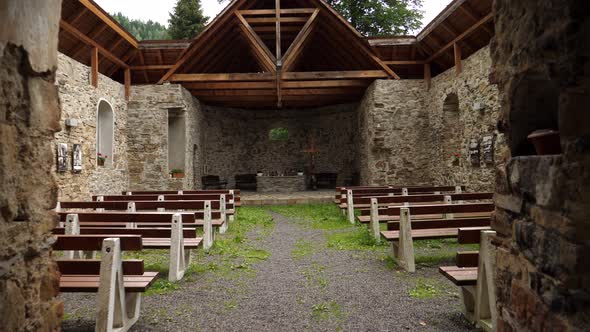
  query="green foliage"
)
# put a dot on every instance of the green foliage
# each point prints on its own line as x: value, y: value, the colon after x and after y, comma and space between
x: 425, y: 289
x: 161, y: 286
x: 142, y: 30
x: 187, y: 20
x: 381, y: 17
x: 278, y: 134
x: 324, y: 311
x: 302, y: 249
x: 319, y: 216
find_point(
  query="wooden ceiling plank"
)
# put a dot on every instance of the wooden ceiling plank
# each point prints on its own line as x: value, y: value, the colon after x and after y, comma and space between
x: 142, y: 62
x: 150, y: 67
x: 295, y: 48
x: 222, y: 77
x: 334, y: 75
x: 82, y: 37
x: 268, y: 12
x: 278, y: 54
x: 93, y: 34
x: 466, y: 33
x: 75, y: 18
x: 263, y: 54
x: 220, y: 21
x: 469, y: 11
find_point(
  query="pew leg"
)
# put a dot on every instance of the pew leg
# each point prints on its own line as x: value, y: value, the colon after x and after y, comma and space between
x: 485, y: 306
x: 177, y: 252
x: 133, y: 304
x: 468, y: 302
x: 223, y: 228
x: 405, y: 254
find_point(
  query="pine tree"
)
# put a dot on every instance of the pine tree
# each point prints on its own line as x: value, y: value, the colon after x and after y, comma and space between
x: 188, y: 20
x: 381, y: 17
x: 149, y: 30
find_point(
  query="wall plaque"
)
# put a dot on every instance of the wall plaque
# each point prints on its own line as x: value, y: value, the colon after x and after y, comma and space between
x: 474, y: 152
x: 488, y: 150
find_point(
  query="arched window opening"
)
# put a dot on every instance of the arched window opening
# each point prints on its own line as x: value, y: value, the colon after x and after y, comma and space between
x: 105, y: 125
x: 176, y: 141
x: 451, y: 135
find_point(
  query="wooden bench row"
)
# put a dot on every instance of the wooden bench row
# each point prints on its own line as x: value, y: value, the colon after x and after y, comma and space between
x: 441, y: 221
x: 119, y: 283
x: 234, y: 194
x: 474, y: 274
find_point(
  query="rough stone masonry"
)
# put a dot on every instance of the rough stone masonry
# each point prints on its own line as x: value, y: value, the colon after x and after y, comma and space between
x: 29, y: 117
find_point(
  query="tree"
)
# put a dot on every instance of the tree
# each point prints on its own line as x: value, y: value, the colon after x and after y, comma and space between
x: 142, y: 30
x: 188, y: 20
x: 381, y: 17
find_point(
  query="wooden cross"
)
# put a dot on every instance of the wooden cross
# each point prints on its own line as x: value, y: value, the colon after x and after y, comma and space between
x: 312, y: 151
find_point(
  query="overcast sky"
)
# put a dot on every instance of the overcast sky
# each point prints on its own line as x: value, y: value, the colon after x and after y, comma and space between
x: 157, y: 10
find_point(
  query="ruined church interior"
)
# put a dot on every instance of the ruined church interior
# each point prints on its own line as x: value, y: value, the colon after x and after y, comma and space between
x: 283, y: 171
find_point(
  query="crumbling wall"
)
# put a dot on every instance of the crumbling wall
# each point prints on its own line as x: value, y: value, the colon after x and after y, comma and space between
x: 29, y: 117
x: 540, y: 62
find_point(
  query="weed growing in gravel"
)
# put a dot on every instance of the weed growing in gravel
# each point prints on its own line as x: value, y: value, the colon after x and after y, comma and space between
x: 314, y: 276
x: 354, y: 238
x: 327, y: 310
x: 161, y: 286
x: 425, y: 289
x: 230, y: 305
x: 302, y: 249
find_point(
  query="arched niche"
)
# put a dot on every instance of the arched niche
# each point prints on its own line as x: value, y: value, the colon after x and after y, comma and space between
x: 105, y: 127
x: 534, y: 105
x: 451, y: 134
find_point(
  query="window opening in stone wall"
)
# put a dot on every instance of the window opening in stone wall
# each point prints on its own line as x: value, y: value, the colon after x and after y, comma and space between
x: 104, y: 134
x: 279, y: 134
x: 535, y: 105
x: 451, y: 136
x: 176, y: 143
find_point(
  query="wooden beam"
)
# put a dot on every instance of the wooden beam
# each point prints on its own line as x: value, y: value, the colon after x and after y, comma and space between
x: 115, y: 43
x: 75, y: 18
x: 127, y: 83
x: 151, y: 67
x: 142, y: 62
x: 78, y: 50
x: 272, y: 92
x: 458, y: 60
x: 297, y: 45
x: 270, y: 20
x: 83, y: 38
x: 427, y: 75
x: 262, y: 53
x: 466, y: 33
x: 278, y: 55
x: 268, y: 12
x: 94, y: 67
x: 106, y: 18
x: 469, y: 11
x: 225, y: 77
x: 220, y: 21
x: 405, y: 63
x: 361, y: 83
x: 335, y: 75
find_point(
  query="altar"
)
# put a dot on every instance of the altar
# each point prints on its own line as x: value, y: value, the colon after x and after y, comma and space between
x: 281, y: 184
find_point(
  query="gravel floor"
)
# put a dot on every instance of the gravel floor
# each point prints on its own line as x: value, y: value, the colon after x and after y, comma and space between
x: 301, y: 286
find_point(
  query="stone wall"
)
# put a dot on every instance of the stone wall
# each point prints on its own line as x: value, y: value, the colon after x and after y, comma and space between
x: 540, y: 62
x: 478, y: 110
x: 148, y: 110
x: 237, y: 141
x: 392, y: 126
x: 80, y: 101
x: 408, y: 136
x: 29, y: 117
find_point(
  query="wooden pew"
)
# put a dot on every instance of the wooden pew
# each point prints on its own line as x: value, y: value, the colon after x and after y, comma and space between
x: 348, y: 195
x: 377, y: 211
x: 402, y: 238
x: 119, y: 283
x: 178, y: 240
x: 235, y: 192
x: 474, y: 274
x: 220, y: 216
x: 147, y: 219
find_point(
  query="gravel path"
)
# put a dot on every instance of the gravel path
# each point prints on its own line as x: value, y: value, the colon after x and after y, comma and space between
x: 301, y: 286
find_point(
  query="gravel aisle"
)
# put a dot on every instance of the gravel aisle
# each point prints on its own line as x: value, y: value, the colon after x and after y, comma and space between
x: 302, y: 286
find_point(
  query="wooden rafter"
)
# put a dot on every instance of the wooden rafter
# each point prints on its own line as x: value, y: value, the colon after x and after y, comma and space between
x: 94, y: 67
x: 466, y: 33
x: 467, y: 10
x: 278, y: 54
x: 93, y: 34
x: 85, y: 39
x: 110, y: 22
x: 266, y: 59
x: 297, y: 45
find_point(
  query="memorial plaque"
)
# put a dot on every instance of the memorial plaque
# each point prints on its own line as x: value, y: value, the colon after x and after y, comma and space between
x: 474, y: 153
x: 488, y: 150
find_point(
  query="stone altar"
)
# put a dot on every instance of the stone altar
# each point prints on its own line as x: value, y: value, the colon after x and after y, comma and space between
x: 268, y: 184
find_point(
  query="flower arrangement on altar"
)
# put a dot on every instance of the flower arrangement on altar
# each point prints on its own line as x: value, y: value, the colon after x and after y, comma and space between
x: 101, y: 159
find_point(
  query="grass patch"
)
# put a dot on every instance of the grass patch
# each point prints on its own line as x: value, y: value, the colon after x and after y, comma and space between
x: 317, y: 216
x: 425, y: 289
x: 302, y: 249
x: 356, y: 238
x: 161, y: 286
x: 434, y: 252
x: 314, y: 276
x: 327, y: 310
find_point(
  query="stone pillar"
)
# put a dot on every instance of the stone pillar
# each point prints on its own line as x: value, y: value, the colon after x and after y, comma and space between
x: 29, y: 117
x: 543, y: 201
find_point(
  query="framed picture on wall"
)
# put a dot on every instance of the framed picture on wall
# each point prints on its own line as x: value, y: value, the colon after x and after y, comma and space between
x: 62, y: 157
x: 77, y: 158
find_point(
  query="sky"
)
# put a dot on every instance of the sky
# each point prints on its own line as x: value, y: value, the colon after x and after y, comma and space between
x: 157, y: 10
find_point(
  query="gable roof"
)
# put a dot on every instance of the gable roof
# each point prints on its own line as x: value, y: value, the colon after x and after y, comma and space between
x: 235, y: 61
